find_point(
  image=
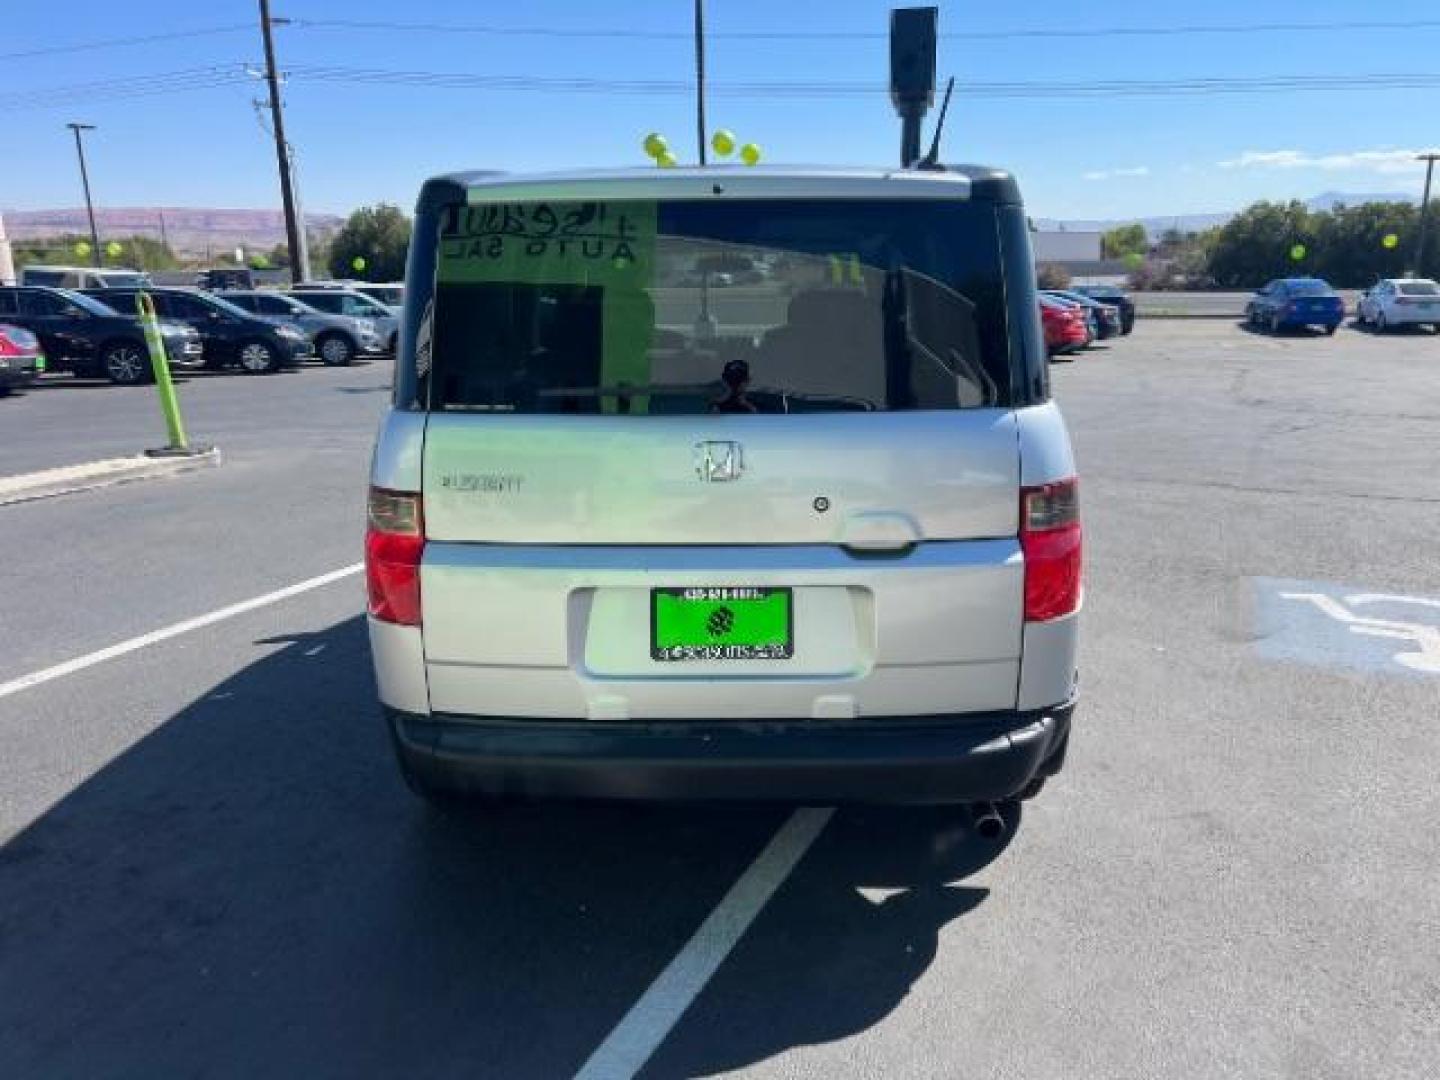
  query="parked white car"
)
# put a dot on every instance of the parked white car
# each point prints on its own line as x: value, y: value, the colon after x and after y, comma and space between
x: 821, y: 543
x: 1400, y: 302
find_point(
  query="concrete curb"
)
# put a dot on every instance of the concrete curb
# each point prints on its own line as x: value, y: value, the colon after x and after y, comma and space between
x: 49, y: 483
x: 1233, y: 316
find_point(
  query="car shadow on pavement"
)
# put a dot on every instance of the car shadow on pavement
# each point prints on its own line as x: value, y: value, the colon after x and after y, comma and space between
x: 249, y: 890
x: 841, y: 946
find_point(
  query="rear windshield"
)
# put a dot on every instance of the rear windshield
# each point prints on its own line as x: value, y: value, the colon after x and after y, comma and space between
x: 1309, y: 288
x: 123, y: 281
x: 747, y: 306
x: 1419, y: 288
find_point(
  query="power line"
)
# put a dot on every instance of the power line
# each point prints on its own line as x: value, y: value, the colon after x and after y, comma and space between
x: 1038, y: 33
x: 110, y: 43
x: 188, y: 79
x: 794, y: 89
x: 125, y: 88
x: 1066, y: 32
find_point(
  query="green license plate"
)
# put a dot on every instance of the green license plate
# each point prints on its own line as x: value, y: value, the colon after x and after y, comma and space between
x: 726, y: 623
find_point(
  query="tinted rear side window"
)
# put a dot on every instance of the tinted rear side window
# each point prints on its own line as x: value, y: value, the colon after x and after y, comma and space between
x: 745, y: 306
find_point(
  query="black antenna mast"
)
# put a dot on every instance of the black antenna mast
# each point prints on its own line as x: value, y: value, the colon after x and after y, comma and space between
x: 932, y: 159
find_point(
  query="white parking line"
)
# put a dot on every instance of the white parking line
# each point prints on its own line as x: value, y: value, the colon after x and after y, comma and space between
x: 80, y: 663
x: 627, y: 1048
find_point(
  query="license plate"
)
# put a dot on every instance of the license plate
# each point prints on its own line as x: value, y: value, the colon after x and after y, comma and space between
x: 723, y: 623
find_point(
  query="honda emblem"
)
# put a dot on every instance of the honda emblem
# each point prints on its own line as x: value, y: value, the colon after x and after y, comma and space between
x: 717, y: 461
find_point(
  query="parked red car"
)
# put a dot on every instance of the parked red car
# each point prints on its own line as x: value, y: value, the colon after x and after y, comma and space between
x: 1065, y: 327
x: 20, y: 359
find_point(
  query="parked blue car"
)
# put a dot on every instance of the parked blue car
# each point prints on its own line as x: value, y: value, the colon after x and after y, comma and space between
x: 1290, y: 303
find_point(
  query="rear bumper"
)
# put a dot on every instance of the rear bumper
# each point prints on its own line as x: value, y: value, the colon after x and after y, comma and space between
x: 887, y: 760
x: 18, y: 371
x: 1398, y: 316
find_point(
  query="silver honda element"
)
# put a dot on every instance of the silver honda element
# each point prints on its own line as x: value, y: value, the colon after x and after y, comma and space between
x: 724, y: 483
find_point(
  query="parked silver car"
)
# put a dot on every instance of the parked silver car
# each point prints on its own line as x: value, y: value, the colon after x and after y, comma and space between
x: 630, y: 537
x: 355, y: 305
x: 338, y: 339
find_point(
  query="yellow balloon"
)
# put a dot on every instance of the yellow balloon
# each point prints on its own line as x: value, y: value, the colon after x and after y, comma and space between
x: 666, y: 160
x: 655, y: 145
x: 723, y: 142
x: 113, y: 249
x: 82, y: 248
x: 750, y: 154
x: 1391, y: 240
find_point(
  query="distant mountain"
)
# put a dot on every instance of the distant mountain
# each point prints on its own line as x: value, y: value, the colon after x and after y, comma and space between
x: 1332, y: 199
x: 190, y: 230
x: 1199, y: 222
x: 1153, y: 225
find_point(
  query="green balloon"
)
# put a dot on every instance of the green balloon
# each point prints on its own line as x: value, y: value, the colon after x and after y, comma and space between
x: 1297, y: 252
x: 655, y: 145
x: 113, y: 249
x: 750, y: 154
x: 357, y: 263
x: 82, y: 248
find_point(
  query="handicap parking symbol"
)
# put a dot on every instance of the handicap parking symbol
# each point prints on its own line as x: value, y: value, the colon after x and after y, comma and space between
x: 1333, y: 625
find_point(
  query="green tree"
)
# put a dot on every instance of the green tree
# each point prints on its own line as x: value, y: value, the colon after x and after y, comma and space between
x: 380, y: 235
x: 141, y: 252
x: 1266, y: 241
x: 1052, y: 276
x: 1351, y: 249
x: 1124, y: 240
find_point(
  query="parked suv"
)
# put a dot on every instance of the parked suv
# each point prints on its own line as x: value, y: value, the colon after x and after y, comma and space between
x: 82, y: 277
x: 80, y: 334
x: 338, y: 339
x: 353, y: 305
x: 818, y: 543
x: 233, y: 337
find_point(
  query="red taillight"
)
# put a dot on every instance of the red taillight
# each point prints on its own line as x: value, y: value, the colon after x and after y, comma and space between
x: 394, y: 543
x: 1050, y: 539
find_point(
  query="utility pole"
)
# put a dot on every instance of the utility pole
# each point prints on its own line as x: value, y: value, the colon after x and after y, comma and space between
x: 700, y: 77
x: 85, y: 181
x: 282, y: 152
x: 1429, y: 160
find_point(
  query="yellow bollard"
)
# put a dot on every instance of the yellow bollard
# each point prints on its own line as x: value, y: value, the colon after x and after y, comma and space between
x: 160, y: 363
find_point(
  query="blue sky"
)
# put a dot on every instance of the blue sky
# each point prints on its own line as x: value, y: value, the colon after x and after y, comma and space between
x: 363, y: 139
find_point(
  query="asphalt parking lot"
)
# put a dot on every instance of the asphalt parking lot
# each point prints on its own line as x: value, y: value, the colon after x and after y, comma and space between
x: 209, y: 867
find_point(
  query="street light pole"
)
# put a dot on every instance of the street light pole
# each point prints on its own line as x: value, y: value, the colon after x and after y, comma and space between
x: 1429, y: 159
x: 85, y: 181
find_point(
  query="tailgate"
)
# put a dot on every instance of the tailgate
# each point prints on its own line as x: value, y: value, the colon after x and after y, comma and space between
x: 820, y: 478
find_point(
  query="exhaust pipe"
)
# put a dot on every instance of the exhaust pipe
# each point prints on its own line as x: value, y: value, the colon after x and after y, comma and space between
x: 989, y: 825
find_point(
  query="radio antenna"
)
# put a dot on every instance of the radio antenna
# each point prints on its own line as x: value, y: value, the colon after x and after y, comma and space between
x: 932, y: 159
